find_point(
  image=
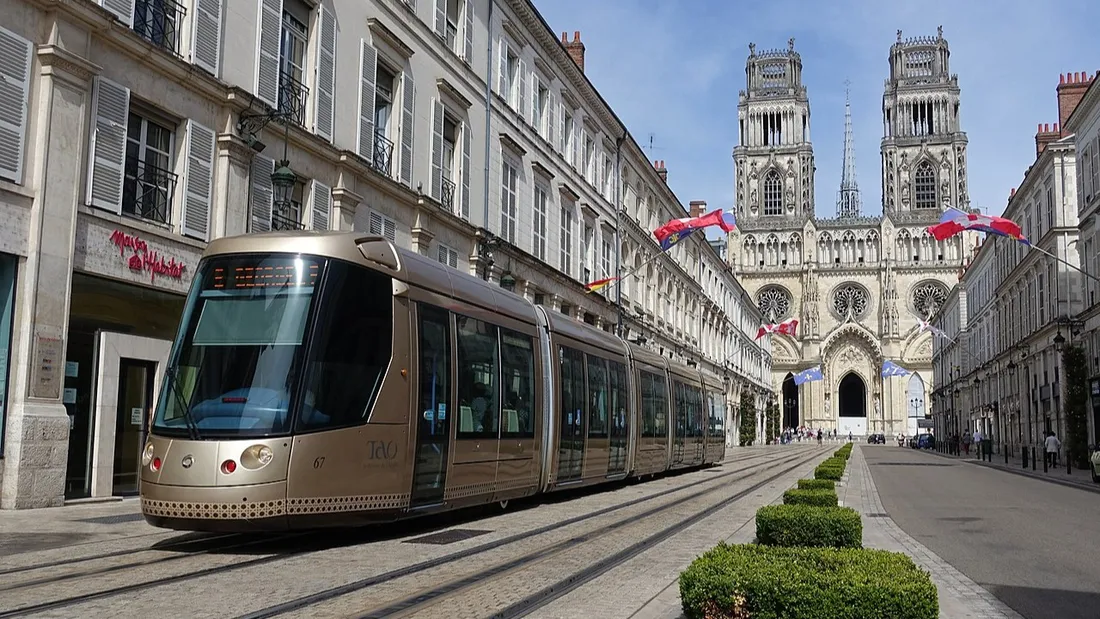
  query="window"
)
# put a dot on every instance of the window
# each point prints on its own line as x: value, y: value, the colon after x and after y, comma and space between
x: 448, y: 256
x: 159, y: 21
x: 385, y: 87
x: 605, y: 182
x: 587, y: 259
x: 567, y: 136
x: 512, y: 68
x: 538, y: 121
x: 9, y: 265
x: 454, y: 10
x: 597, y: 397
x: 508, y: 208
x: 477, y: 378
x: 351, y: 348
x: 447, y: 187
x: 654, y: 404
x: 149, y: 183
x: 288, y: 215
x: 773, y: 194
x: 292, y: 58
x: 606, y: 258
x: 619, y: 398
x: 539, y: 237
x: 589, y: 159
x: 383, y: 226
x: 924, y: 186
x: 565, y: 250
x: 517, y: 370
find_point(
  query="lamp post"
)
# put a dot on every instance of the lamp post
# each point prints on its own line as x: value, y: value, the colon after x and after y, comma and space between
x: 918, y: 406
x: 283, y: 179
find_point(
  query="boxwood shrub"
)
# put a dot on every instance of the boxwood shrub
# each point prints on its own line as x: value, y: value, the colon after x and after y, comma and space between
x: 773, y: 582
x: 824, y: 471
x: 806, y: 525
x: 843, y: 452
x: 820, y: 498
x: 816, y: 484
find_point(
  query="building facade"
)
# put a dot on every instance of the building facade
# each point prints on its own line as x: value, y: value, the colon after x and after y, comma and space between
x: 463, y: 129
x: 859, y: 284
x: 1001, y: 371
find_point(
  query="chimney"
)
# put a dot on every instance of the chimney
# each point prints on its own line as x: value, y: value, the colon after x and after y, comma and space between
x: 1071, y: 88
x: 696, y: 208
x: 1045, y: 135
x: 661, y: 170
x: 575, y: 48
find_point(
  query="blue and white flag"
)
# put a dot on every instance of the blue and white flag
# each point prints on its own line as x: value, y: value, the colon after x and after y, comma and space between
x: 889, y: 368
x: 808, y: 375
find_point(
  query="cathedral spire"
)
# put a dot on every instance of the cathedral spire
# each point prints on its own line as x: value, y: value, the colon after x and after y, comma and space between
x: 848, y: 204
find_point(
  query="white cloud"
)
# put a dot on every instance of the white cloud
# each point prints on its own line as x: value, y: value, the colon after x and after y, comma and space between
x: 674, y: 69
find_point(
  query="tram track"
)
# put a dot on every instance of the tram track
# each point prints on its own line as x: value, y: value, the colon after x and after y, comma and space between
x: 146, y: 583
x: 192, y: 538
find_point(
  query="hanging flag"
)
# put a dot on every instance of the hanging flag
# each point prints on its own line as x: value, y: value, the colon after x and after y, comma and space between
x: 786, y: 327
x: 676, y: 230
x: 889, y: 368
x: 808, y: 375
x: 927, y: 326
x: 599, y: 284
x: 955, y: 221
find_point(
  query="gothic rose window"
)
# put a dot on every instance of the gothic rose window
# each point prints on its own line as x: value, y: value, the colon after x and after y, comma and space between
x: 774, y: 303
x: 850, y: 299
x: 928, y: 298
x: 773, y: 194
x: 925, y: 185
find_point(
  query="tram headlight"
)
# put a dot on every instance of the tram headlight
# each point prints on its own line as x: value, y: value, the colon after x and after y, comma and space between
x: 147, y: 455
x: 256, y: 457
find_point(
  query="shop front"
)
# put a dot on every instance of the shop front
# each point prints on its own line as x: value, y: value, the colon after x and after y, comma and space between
x: 127, y: 295
x: 9, y: 265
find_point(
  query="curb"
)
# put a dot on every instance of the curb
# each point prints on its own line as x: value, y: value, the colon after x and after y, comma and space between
x: 1094, y: 488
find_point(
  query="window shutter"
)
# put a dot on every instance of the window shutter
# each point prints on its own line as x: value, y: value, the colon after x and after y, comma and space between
x: 535, y: 102
x: 441, y: 19
x: 15, y: 74
x: 326, y: 74
x: 268, y: 34
x: 502, y: 81
x: 551, y: 106
x: 368, y: 63
x: 261, y: 192
x: 563, y: 136
x: 521, y: 98
x: 198, y: 181
x: 123, y: 10
x: 578, y: 163
x: 376, y: 224
x: 468, y: 30
x: 437, y: 149
x: 206, y: 35
x: 467, y: 171
x: 107, y: 152
x: 320, y: 201
x: 408, y: 100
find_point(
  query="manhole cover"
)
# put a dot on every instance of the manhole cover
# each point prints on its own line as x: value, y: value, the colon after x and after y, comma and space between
x: 15, y: 543
x: 447, y: 537
x: 118, y: 519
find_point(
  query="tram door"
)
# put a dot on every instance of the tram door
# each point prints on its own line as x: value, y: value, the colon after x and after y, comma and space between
x: 432, y: 435
x: 680, y: 413
x: 618, y: 421
x: 571, y: 416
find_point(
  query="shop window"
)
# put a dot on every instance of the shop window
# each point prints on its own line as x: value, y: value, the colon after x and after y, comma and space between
x: 8, y: 267
x: 150, y: 183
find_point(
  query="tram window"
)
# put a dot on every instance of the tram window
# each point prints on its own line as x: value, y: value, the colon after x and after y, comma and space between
x: 660, y: 386
x: 572, y: 392
x: 478, y: 378
x: 597, y: 397
x: 616, y: 373
x: 351, y: 348
x: 517, y: 369
x: 654, y: 405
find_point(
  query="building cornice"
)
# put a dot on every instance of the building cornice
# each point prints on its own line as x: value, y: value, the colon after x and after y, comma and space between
x: 381, y: 31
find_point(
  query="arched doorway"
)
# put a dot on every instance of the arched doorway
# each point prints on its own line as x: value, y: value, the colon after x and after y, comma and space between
x: 790, y: 402
x: 852, y: 402
x: 914, y: 403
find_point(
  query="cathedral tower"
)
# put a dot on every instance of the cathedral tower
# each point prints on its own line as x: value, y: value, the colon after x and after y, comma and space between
x: 774, y: 158
x: 923, y: 145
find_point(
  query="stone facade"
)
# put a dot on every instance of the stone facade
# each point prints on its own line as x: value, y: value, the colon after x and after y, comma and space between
x: 139, y: 143
x: 858, y: 284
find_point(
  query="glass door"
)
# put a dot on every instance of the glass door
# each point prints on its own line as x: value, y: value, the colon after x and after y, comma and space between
x: 135, y: 400
x: 432, y: 435
x: 571, y: 415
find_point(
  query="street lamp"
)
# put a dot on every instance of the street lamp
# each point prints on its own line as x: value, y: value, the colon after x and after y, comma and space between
x: 508, y: 282
x: 282, y: 184
x: 1059, y: 341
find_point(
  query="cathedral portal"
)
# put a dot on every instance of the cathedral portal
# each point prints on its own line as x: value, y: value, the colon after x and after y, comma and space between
x: 852, y: 404
x: 790, y: 402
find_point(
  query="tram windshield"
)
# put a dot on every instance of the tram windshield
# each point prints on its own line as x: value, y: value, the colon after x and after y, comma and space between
x: 241, y: 367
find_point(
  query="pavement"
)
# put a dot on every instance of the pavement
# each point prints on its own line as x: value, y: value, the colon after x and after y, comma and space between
x: 1074, y: 477
x: 1030, y: 545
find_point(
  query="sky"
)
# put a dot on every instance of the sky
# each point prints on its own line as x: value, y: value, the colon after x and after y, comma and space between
x: 672, y: 70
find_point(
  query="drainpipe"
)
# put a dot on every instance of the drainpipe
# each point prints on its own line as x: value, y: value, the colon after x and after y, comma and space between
x: 618, y: 230
x: 488, y: 110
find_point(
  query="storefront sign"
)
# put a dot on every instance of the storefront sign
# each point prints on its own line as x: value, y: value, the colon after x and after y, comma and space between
x: 144, y: 259
x: 47, y: 368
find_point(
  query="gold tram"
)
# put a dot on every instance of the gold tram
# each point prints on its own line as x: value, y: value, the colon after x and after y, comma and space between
x: 332, y: 379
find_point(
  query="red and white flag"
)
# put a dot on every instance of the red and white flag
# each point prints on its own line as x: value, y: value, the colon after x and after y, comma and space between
x: 786, y: 327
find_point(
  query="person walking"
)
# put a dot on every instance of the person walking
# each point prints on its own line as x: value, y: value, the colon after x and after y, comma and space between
x: 966, y: 437
x: 1052, y: 445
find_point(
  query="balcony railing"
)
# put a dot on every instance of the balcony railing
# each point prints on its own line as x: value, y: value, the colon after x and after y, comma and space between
x: 283, y: 218
x: 447, y: 195
x: 147, y: 191
x: 292, y: 98
x: 383, y: 154
x: 159, y: 22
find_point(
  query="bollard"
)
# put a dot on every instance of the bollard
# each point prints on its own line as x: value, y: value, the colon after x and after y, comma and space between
x: 1033, y: 463
x: 1004, y: 448
x: 1023, y: 455
x: 1069, y: 469
x: 1046, y: 462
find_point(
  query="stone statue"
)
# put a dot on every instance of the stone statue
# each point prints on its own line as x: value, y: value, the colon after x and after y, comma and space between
x: 939, y: 32
x: 752, y: 49
x: 790, y: 44
x: 899, y: 36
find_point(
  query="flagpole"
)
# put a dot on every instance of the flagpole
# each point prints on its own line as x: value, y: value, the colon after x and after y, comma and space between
x: 631, y: 272
x: 1065, y: 262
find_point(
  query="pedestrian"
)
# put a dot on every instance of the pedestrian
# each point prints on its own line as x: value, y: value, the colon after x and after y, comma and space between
x: 819, y: 437
x: 966, y: 437
x: 1052, y: 445
x: 977, y: 440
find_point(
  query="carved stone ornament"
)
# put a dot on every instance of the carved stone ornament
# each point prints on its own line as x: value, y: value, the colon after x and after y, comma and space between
x: 850, y: 358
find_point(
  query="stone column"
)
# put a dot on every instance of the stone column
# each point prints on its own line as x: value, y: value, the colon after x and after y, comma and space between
x: 232, y: 185
x: 344, y: 203
x: 38, y: 425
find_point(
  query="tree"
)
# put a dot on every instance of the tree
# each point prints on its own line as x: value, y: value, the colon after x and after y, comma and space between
x: 748, y: 418
x: 1076, y: 405
x: 772, y: 422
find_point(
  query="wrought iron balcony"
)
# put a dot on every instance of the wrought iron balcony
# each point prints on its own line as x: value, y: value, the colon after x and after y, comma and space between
x: 159, y: 22
x: 283, y: 217
x: 147, y: 191
x: 292, y: 98
x: 447, y: 195
x: 383, y: 154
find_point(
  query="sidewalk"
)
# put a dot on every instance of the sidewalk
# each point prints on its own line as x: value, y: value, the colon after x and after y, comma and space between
x: 1078, y: 478
x: 960, y: 597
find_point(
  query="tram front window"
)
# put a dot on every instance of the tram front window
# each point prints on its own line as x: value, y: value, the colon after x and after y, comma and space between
x: 240, y: 348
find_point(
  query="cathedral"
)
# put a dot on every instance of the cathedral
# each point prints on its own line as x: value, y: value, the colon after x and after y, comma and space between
x: 858, y: 283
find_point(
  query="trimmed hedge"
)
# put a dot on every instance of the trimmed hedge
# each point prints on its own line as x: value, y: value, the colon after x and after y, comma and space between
x: 832, y: 473
x: 843, y: 452
x: 816, y: 484
x: 772, y: 582
x: 806, y: 525
x: 819, y: 498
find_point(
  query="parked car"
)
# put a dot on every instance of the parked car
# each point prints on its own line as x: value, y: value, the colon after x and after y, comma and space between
x: 1094, y: 466
x: 926, y: 441
x: 876, y: 439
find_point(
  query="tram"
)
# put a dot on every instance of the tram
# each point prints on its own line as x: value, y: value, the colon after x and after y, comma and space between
x: 333, y: 379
